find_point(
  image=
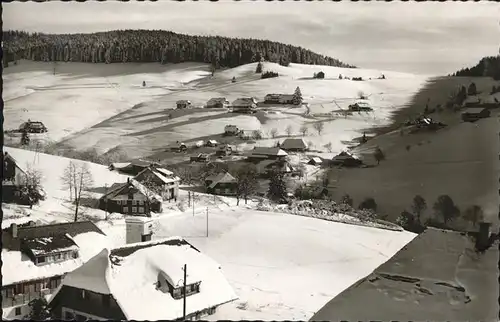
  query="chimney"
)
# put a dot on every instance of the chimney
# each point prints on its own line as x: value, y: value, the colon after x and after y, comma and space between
x: 484, y: 234
x: 13, y: 230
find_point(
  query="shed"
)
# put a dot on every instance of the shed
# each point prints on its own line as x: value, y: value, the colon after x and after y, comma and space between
x: 183, y: 104
x: 346, y: 159
x: 315, y: 161
x: 474, y: 114
x: 217, y: 102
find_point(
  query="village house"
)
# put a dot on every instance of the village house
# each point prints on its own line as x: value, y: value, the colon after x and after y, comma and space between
x: 33, y: 127
x: 224, y: 150
x: 262, y: 153
x: 13, y: 180
x: 294, y: 145
x: 222, y: 184
x: 244, y: 105
x: 280, y: 99
x: 346, y: 159
x: 131, y: 198
x: 211, y: 143
x: 246, y: 134
x: 280, y: 166
x: 217, y: 102
x: 231, y: 130
x: 178, y: 147
x: 144, y: 282
x: 475, y: 113
x: 315, y: 161
x: 36, y: 258
x: 201, y: 157
x: 183, y: 104
x: 165, y: 182
x: 133, y: 167
x: 272, y: 98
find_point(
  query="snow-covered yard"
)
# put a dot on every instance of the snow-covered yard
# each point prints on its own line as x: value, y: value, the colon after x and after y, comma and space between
x: 282, y: 267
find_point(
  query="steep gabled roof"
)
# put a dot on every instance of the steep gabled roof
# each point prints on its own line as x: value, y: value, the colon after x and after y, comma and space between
x: 293, y: 144
x: 269, y: 151
x: 131, y: 183
x: 11, y: 158
x: 223, y: 177
x: 162, y: 174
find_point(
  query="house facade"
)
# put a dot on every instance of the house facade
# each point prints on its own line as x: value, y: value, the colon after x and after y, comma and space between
x: 13, y: 180
x: 222, y: 184
x: 165, y: 182
x: 132, y: 199
x: 231, y: 130
x: 218, y: 102
x: 36, y: 258
x: 183, y: 104
x: 346, y: 159
x: 244, y: 105
x: 105, y: 289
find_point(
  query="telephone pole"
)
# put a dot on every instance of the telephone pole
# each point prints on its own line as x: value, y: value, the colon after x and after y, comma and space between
x: 184, y: 294
x: 207, y: 221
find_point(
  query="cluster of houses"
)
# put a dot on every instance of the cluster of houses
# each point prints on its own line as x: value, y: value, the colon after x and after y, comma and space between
x: 479, y: 107
x: 244, y: 104
x: 74, y: 267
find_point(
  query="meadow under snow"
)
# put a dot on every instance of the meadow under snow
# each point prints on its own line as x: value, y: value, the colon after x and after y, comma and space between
x: 80, y: 96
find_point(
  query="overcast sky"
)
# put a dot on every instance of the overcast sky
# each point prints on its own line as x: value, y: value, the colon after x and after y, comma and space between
x: 430, y: 38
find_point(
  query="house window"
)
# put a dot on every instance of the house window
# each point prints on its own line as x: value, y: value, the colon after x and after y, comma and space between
x: 18, y: 311
x: 176, y: 292
x: 57, y: 257
x: 50, y: 259
x: 75, y: 255
x: 134, y: 209
x: 125, y: 209
x: 19, y: 289
x: 84, y: 295
x: 38, y: 287
x: 134, y: 202
x: 41, y: 259
x: 145, y: 237
x: 141, y: 202
x: 141, y: 210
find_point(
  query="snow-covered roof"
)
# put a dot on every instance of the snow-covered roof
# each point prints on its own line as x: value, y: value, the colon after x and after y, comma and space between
x: 316, y: 159
x: 132, y: 280
x: 164, y: 175
x: 136, y: 184
x: 215, y: 100
x: 223, y: 177
x: 120, y: 165
x: 293, y: 144
x: 212, y: 141
x: 268, y: 151
x: 244, y: 102
x: 18, y: 267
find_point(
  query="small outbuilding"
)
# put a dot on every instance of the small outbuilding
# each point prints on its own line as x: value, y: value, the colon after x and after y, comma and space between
x: 346, y: 159
x: 217, y: 102
x: 183, y: 104
x: 315, y: 161
x: 474, y: 114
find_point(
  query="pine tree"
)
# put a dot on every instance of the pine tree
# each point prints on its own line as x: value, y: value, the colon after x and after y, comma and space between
x: 277, y: 187
x: 258, y: 70
x: 297, y: 96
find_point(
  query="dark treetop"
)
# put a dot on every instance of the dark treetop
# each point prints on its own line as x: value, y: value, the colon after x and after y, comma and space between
x: 154, y: 46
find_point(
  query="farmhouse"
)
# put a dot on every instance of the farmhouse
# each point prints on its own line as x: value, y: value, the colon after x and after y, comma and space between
x: 294, y: 145
x: 281, y: 166
x: 246, y: 134
x: 183, y: 104
x: 133, y: 167
x: 13, y: 180
x: 131, y: 198
x: 346, y: 159
x: 217, y: 102
x: 163, y: 181
x: 261, y: 153
x: 473, y: 114
x: 202, y: 157
x: 33, y: 127
x: 244, y: 105
x: 211, y: 143
x: 144, y: 282
x: 315, y: 161
x: 36, y: 258
x: 404, y: 274
x: 222, y: 184
x: 280, y: 99
x: 178, y: 147
x: 231, y: 130
x: 287, y: 99
x: 272, y: 98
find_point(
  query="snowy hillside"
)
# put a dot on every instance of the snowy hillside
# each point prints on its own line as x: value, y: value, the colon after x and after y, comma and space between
x: 56, y: 206
x: 146, y: 127
x: 76, y: 95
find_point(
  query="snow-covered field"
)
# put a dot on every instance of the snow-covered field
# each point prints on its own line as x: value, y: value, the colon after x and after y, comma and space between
x: 80, y: 95
x: 282, y: 266
x: 68, y: 103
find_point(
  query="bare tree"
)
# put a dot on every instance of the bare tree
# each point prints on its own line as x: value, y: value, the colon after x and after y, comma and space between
x: 304, y: 129
x: 289, y: 130
x: 151, y: 192
x: 474, y: 214
x: 79, y: 179
x: 274, y: 133
x: 257, y: 135
x: 328, y: 146
x: 32, y: 190
x: 246, y: 182
x: 319, y: 127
